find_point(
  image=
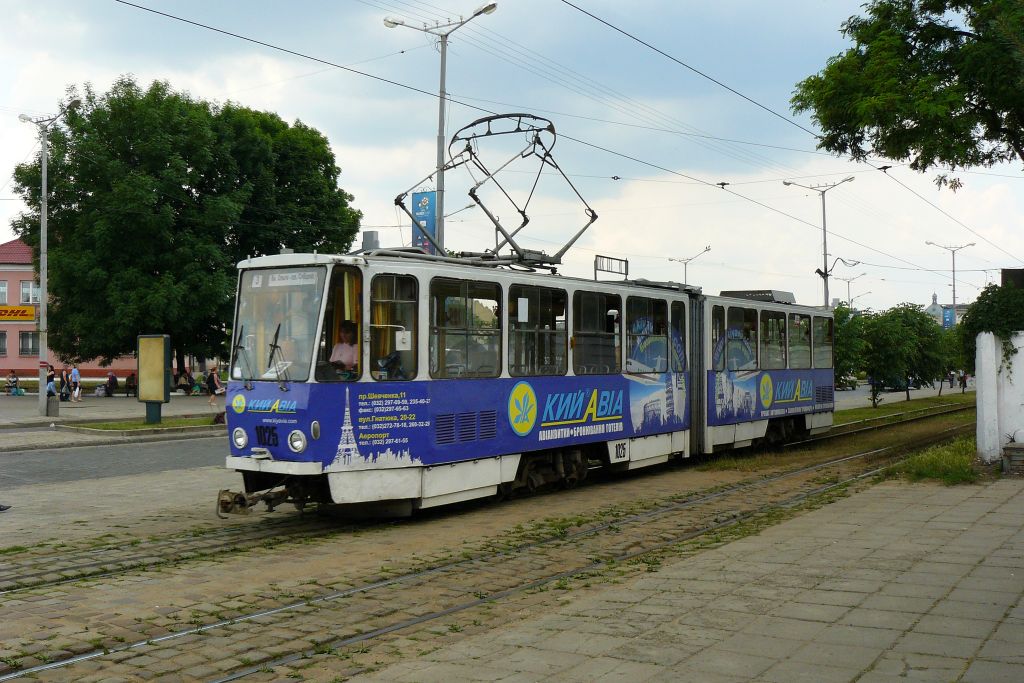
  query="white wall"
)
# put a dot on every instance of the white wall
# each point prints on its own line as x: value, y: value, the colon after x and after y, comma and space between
x: 1000, y: 395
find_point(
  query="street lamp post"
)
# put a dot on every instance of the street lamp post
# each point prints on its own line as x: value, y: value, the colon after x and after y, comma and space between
x: 442, y: 31
x: 686, y: 261
x: 952, y: 251
x: 43, y: 124
x: 822, y: 189
x: 857, y: 297
x: 848, y: 280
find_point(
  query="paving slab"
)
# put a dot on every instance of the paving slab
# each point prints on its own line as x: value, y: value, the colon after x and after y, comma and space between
x: 951, y: 610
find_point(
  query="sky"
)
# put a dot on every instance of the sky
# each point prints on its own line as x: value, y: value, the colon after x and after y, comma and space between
x: 644, y: 138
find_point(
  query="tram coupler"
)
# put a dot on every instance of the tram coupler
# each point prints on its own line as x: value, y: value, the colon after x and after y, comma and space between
x: 237, y: 503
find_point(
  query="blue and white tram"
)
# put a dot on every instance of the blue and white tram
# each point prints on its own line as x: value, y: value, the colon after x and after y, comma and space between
x: 465, y: 381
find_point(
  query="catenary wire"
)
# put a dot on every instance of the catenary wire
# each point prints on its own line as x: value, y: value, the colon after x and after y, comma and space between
x: 579, y: 141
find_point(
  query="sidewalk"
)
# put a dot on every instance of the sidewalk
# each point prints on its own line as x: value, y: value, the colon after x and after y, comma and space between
x: 23, y: 428
x: 897, y: 583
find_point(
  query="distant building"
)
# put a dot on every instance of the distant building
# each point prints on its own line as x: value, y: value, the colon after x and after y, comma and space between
x: 19, y: 339
x: 943, y: 313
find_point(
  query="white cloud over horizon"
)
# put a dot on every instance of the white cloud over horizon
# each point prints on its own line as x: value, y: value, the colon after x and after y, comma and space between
x: 384, y: 136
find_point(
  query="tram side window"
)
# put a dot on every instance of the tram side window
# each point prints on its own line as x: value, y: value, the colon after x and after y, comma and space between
x: 799, y: 341
x: 339, y: 355
x: 773, y: 340
x: 822, y: 342
x: 677, y: 337
x: 465, y: 328
x: 595, y: 326
x: 536, y: 338
x: 646, y: 335
x: 741, y: 335
x: 718, y: 337
x: 393, y: 327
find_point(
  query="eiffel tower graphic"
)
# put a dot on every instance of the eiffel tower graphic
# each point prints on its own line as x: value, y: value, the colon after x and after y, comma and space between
x: 347, y: 448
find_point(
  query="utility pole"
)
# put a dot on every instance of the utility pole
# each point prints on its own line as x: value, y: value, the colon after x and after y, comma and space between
x: 442, y: 31
x: 43, y: 124
x: 952, y: 251
x: 822, y: 189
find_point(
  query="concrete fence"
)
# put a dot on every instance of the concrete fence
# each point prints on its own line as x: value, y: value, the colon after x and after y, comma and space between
x: 1000, y: 395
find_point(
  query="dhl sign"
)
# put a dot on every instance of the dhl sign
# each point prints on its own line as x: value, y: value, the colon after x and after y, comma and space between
x: 17, y: 314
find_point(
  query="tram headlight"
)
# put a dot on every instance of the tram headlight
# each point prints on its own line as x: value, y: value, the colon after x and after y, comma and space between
x: 239, y: 437
x: 297, y: 441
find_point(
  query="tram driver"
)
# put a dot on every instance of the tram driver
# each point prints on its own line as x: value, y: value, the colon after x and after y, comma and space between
x: 345, y: 355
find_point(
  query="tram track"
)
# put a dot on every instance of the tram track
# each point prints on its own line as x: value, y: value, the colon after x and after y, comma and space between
x: 103, y: 561
x: 526, y: 566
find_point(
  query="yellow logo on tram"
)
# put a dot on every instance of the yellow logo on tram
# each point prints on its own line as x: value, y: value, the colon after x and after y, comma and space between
x: 522, y: 409
x: 767, y: 391
x: 238, y: 403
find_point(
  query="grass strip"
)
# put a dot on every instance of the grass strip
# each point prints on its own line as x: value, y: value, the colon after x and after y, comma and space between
x: 128, y: 425
x: 951, y: 463
x: 901, y: 406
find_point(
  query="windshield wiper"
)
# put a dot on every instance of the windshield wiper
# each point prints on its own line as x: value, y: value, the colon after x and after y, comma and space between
x: 278, y: 370
x: 239, y: 346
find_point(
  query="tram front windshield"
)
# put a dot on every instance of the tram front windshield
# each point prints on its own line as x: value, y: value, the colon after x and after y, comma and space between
x: 275, y: 328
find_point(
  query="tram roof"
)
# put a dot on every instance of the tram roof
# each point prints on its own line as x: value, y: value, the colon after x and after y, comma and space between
x: 363, y: 258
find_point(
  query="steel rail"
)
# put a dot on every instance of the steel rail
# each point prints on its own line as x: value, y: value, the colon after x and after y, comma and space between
x: 375, y: 585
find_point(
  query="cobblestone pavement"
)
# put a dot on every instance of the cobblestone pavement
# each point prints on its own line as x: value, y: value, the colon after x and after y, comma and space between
x: 897, y: 583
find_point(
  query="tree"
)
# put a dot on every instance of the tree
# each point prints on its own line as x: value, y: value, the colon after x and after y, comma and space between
x: 849, y: 342
x: 952, y: 354
x: 154, y: 197
x: 938, y: 82
x: 926, y: 358
x: 902, y: 346
x: 999, y: 310
x: 887, y: 352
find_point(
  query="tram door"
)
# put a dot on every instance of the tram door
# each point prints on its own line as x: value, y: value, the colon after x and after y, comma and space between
x: 340, y: 352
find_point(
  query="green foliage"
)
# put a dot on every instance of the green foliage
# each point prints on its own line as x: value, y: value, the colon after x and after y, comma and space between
x: 938, y: 82
x: 950, y: 463
x: 901, y: 345
x: 154, y: 196
x: 999, y: 310
x: 849, y: 342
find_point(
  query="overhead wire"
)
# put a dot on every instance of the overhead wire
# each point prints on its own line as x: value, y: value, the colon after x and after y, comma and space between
x: 784, y: 118
x: 452, y: 100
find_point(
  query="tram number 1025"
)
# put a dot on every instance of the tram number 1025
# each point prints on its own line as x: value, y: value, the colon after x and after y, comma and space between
x: 620, y: 452
x: 266, y: 436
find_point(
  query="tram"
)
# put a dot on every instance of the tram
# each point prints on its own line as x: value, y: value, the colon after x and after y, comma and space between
x: 397, y: 376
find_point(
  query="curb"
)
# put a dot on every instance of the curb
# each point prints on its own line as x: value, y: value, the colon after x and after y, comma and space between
x: 113, y: 441
x: 121, y: 434
x: 45, y: 422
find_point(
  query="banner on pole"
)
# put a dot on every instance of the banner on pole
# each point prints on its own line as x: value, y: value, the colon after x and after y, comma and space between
x: 424, y: 213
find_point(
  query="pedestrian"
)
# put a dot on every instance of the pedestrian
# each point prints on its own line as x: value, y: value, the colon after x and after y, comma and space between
x: 213, y: 385
x: 76, y: 383
x: 963, y: 382
x: 12, y: 384
x: 51, y: 377
x: 65, y: 384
